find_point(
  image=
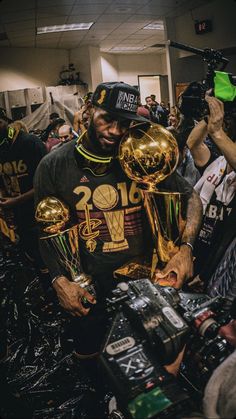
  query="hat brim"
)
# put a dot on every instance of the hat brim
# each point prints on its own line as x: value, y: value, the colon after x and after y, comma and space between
x: 127, y: 115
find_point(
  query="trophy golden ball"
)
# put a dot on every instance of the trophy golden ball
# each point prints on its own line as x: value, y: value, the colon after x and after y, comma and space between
x: 148, y: 154
x: 52, y: 214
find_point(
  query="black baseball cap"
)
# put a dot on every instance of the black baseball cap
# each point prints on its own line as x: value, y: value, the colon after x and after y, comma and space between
x: 4, y: 116
x: 119, y: 99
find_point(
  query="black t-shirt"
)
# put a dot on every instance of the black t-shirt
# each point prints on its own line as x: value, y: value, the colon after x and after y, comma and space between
x: 108, y: 209
x: 17, y: 168
x: 212, y: 229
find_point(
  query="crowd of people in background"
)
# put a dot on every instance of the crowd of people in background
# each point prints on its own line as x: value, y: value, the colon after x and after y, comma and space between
x: 199, y: 150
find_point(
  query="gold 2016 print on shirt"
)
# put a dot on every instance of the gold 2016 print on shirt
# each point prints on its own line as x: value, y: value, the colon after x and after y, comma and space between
x: 100, y: 219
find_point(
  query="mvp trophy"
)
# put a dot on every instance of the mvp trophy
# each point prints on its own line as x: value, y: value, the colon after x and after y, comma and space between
x: 62, y: 240
x: 148, y: 156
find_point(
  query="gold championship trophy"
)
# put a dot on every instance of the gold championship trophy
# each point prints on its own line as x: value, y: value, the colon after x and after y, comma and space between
x: 148, y: 156
x: 62, y: 240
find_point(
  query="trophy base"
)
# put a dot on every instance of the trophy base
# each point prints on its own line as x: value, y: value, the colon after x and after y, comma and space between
x: 115, y: 246
x: 83, y: 280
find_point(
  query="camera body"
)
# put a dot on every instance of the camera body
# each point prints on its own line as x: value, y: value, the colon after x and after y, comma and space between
x: 149, y: 326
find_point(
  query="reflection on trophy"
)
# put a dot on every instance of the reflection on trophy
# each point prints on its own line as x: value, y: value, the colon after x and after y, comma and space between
x: 62, y: 239
x: 148, y: 157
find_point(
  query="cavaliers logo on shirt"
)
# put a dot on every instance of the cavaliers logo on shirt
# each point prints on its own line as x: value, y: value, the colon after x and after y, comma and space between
x: 108, y: 214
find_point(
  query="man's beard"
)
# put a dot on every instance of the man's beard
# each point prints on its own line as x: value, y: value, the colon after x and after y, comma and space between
x: 97, y: 147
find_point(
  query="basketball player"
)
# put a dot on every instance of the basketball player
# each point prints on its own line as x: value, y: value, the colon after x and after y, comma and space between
x: 107, y: 206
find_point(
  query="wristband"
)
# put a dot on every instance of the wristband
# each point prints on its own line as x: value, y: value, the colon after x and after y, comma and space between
x: 187, y: 244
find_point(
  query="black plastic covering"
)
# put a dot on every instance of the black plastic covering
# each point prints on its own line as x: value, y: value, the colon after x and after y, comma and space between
x: 41, y: 377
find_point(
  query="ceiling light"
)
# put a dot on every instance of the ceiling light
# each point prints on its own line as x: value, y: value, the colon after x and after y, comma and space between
x: 155, y: 25
x: 64, y: 28
x: 127, y: 49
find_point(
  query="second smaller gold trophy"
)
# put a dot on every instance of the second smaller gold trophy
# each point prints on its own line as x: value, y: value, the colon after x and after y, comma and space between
x: 62, y: 240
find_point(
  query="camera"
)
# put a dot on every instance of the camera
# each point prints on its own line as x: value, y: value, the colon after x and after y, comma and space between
x: 149, y: 327
x: 223, y: 85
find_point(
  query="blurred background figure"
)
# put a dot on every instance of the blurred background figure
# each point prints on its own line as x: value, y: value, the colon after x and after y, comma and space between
x: 175, y: 117
x: 77, y: 122
x: 157, y: 113
x: 65, y: 134
x: 53, y: 137
x: 20, y: 125
x: 52, y: 117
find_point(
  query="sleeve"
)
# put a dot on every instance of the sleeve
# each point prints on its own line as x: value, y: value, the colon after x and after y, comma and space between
x: 37, y: 150
x: 43, y: 187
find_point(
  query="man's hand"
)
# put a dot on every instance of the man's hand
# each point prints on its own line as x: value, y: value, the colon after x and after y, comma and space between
x: 216, y: 116
x: 178, y: 269
x: 70, y: 296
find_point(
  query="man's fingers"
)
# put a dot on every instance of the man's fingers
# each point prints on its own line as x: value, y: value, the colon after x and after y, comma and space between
x: 86, y: 295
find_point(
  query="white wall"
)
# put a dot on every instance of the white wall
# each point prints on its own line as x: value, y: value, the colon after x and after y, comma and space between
x: 80, y: 57
x: 132, y: 66
x: 109, y: 67
x: 96, y: 66
x: 22, y: 68
x: 149, y: 85
x: 128, y: 67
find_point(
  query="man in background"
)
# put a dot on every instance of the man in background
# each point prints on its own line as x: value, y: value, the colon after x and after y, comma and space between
x: 20, y: 154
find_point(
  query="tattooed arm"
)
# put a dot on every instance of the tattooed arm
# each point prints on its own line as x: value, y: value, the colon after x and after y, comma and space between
x: 180, y: 266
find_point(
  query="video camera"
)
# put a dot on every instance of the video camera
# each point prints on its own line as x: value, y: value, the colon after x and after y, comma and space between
x: 192, y: 101
x: 149, y: 327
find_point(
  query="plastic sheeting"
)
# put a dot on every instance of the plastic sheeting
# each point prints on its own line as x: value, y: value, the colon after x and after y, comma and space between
x: 41, y: 377
x: 65, y: 104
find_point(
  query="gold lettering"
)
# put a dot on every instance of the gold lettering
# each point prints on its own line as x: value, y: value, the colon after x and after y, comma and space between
x: 83, y: 201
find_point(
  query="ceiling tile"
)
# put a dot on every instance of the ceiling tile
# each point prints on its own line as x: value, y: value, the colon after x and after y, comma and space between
x: 51, y: 3
x: 14, y: 5
x: 115, y: 21
x: 5, y: 43
x: 49, y: 21
x: 89, y: 2
x: 20, y: 15
x: 54, y: 11
x: 82, y: 18
x: 23, y: 33
x: 90, y: 8
x: 27, y: 43
x: 112, y: 18
x: 18, y: 26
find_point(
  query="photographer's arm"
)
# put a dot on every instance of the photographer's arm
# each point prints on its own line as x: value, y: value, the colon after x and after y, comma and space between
x: 214, y: 127
x: 180, y: 266
x: 195, y: 142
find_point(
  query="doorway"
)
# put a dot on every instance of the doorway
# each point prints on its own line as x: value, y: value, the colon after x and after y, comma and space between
x: 149, y: 85
x: 153, y: 85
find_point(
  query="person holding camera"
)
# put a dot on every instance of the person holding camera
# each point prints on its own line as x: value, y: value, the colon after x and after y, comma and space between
x: 216, y: 188
x: 107, y: 206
